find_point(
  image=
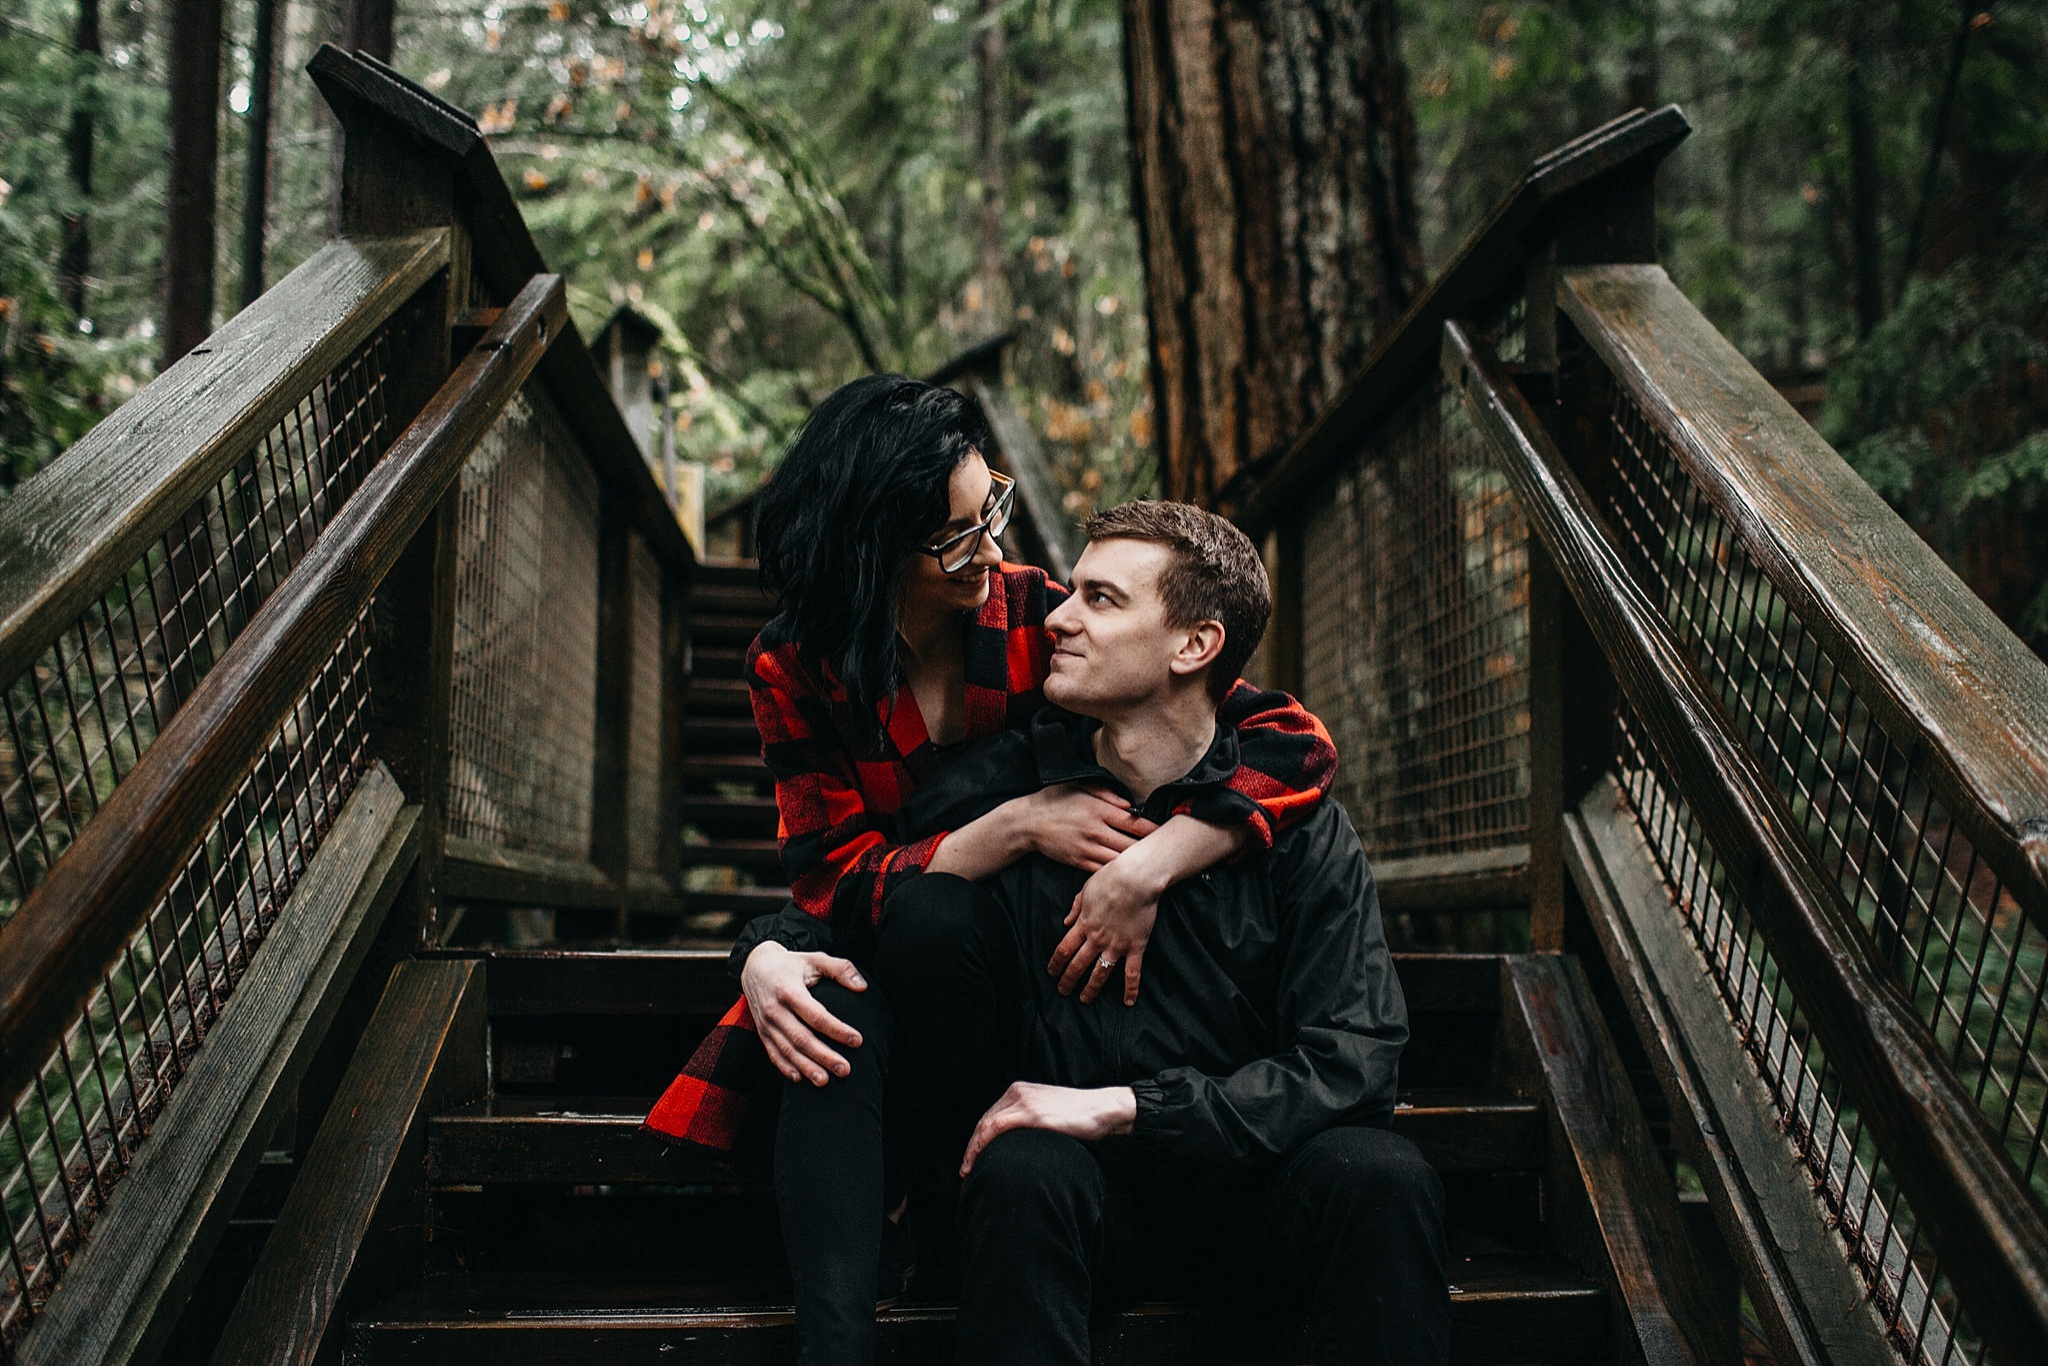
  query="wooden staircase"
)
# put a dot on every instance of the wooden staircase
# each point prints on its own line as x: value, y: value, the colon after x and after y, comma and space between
x: 731, y: 870
x: 546, y: 1227
x: 550, y: 1229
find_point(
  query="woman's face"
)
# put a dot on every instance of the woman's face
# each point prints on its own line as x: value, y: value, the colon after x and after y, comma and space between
x: 925, y: 586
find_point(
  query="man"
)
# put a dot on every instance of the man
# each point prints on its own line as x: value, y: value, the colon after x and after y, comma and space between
x: 1228, y: 1127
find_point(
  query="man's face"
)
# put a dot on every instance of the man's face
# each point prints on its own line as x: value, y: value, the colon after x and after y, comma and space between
x: 1112, y: 649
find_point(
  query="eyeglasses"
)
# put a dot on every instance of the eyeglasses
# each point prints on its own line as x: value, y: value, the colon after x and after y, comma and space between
x: 957, y: 551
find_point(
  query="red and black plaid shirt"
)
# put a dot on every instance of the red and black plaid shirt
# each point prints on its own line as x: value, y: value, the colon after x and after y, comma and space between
x: 837, y: 810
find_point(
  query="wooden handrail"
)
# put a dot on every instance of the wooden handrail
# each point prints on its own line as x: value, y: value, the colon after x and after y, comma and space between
x: 1948, y: 680
x: 80, y: 524
x: 1488, y: 265
x: 1991, y: 1238
x: 60, y: 941
x: 363, y: 90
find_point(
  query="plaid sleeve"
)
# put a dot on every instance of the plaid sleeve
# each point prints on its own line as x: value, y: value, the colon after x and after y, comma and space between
x: 829, y: 805
x: 1286, y: 764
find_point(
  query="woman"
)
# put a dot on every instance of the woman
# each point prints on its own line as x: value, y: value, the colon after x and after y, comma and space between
x: 902, y: 635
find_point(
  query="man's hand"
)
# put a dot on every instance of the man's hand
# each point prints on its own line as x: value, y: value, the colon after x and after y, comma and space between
x: 792, y: 1025
x: 1086, y: 1115
x: 1109, y: 925
x: 1082, y: 827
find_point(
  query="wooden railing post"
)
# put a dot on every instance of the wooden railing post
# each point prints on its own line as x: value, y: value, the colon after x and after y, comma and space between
x: 610, y: 849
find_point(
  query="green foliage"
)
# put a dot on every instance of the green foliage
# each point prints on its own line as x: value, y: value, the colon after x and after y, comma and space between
x: 793, y: 192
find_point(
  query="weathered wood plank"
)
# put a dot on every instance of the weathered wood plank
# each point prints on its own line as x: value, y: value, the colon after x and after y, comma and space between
x: 1924, y: 652
x: 1503, y: 1309
x: 79, y: 524
x: 1812, y: 1305
x: 119, y: 1300
x: 61, y: 940
x: 1483, y: 879
x: 424, y: 1049
x: 472, y: 871
x: 1605, y: 1171
x: 1488, y: 264
x: 1963, y: 1188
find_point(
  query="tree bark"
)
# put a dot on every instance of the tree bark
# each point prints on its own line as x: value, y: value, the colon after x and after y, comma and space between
x: 195, y: 157
x: 256, y: 179
x: 76, y: 261
x: 366, y: 27
x: 1866, y: 246
x: 991, y: 130
x: 1272, y: 155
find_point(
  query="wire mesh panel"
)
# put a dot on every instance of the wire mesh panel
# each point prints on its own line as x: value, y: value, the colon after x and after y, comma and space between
x: 1849, y: 1174
x: 643, y: 745
x: 1953, y: 935
x: 78, y: 720
x: 1415, y: 623
x: 523, y: 725
x: 74, y: 1133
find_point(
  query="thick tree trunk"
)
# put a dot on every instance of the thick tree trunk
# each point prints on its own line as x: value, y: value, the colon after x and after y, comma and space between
x: 991, y: 129
x: 76, y: 262
x: 1866, y: 246
x: 256, y: 179
x: 1272, y: 154
x: 366, y: 27
x: 195, y: 156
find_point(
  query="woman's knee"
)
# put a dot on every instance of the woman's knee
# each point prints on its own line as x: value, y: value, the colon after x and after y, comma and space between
x: 932, y: 930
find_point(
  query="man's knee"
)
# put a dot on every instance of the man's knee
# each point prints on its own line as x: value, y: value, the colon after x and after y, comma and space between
x: 932, y: 929
x: 1031, y: 1172
x: 1366, y: 1173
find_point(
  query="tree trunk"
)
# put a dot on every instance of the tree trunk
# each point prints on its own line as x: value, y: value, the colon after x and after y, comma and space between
x: 76, y: 261
x: 366, y: 27
x: 1866, y: 246
x: 991, y: 301
x: 1272, y: 154
x: 256, y: 180
x: 195, y: 156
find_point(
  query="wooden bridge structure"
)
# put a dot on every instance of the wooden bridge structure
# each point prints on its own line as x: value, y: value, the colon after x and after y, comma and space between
x: 377, y: 785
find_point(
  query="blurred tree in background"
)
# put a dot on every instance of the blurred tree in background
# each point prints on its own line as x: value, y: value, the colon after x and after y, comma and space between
x: 800, y: 190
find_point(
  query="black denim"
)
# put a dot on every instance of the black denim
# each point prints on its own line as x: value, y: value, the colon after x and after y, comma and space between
x: 1348, y: 1226
x: 933, y: 1025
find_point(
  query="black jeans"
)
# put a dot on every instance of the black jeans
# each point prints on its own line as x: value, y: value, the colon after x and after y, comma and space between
x: 1349, y: 1226
x: 932, y: 1025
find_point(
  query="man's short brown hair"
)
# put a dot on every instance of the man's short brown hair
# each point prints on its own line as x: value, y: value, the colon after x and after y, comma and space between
x: 1215, y: 575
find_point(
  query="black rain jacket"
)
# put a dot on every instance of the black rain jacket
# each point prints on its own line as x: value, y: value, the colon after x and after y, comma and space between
x: 1269, y: 1009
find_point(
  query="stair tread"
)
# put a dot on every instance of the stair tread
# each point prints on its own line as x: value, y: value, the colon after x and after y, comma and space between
x: 1503, y: 1308
x: 644, y: 981
x: 597, y: 1139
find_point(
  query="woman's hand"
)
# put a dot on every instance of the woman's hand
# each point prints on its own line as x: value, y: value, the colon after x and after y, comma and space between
x: 1111, y: 920
x: 792, y: 1025
x: 1082, y: 827
x: 1109, y: 925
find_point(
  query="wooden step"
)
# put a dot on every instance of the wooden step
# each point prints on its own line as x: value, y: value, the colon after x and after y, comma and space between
x: 725, y: 768
x: 725, y: 574
x: 736, y: 599
x: 565, y: 1140
x: 693, y: 982
x: 755, y: 816
x: 724, y: 628
x: 1503, y: 1309
x: 755, y: 855
x: 717, y: 661
x: 740, y: 904
x: 707, y: 735
x: 720, y: 697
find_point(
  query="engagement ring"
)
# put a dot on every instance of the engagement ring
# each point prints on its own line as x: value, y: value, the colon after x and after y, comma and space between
x: 1105, y: 962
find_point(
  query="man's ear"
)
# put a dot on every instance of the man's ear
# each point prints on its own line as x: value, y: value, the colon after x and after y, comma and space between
x: 1199, y: 648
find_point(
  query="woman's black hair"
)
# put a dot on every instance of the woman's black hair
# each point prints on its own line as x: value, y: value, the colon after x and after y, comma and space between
x: 863, y: 484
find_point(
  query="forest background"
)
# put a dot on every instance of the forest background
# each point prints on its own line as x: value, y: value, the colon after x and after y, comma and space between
x: 798, y: 191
